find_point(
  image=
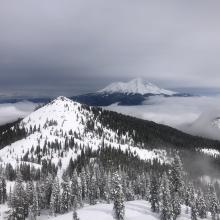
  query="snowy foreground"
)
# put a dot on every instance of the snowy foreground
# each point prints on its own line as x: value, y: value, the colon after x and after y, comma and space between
x: 135, y: 210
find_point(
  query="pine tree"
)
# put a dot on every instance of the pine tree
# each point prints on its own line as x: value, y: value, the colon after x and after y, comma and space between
x: 143, y: 186
x: 18, y: 200
x: 79, y: 198
x: 177, y: 175
x: 201, y: 206
x: 129, y: 192
x: 38, y: 199
x: 194, y: 210
x: 35, y: 206
x: 75, y: 192
x: 92, y: 191
x: 47, y: 190
x: 66, y: 196
x: 154, y: 194
x: 176, y: 203
x: 107, y: 190
x: 30, y: 192
x: 84, y: 185
x: 177, y: 185
x: 118, y: 197
x: 3, y: 194
x: 165, y: 199
x: 189, y: 195
x: 55, y: 198
x: 147, y: 193
x: 213, y: 203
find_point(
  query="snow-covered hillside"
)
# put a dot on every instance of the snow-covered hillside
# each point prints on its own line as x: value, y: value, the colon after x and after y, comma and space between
x: 136, y: 86
x: 134, y: 210
x: 64, y: 120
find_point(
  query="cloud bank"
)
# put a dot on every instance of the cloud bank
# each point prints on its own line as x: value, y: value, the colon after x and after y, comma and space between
x: 194, y: 115
x: 11, y: 112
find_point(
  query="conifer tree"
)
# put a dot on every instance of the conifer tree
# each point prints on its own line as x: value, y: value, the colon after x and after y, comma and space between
x: 154, y: 194
x: 118, y: 197
x: 83, y: 183
x: 75, y: 189
x: 214, y: 204
x: 165, y: 199
x: 36, y: 205
x: 201, y: 206
x: 18, y: 200
x: 55, y: 198
x: 66, y: 196
x: 107, y: 186
x: 177, y: 175
x: 47, y: 190
x: 194, y: 210
x: 3, y: 194
x: 92, y: 191
x: 129, y: 192
x: 176, y: 203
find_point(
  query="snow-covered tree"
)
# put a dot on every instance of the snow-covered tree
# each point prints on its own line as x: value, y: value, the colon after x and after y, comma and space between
x: 201, y: 205
x: 214, y: 204
x: 75, y: 190
x: 194, y: 210
x: 176, y: 203
x: 18, y: 200
x: 3, y: 194
x: 66, y: 196
x: 55, y: 198
x: 154, y: 193
x: 83, y: 183
x: 129, y: 192
x: 92, y: 191
x: 118, y: 197
x: 47, y: 190
x: 165, y: 199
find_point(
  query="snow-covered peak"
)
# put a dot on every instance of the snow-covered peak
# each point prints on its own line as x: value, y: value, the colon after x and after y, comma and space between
x: 64, y: 121
x: 136, y: 86
x: 61, y: 111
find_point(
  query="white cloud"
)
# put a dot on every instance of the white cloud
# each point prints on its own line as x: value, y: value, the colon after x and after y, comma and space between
x: 189, y: 114
x: 11, y: 112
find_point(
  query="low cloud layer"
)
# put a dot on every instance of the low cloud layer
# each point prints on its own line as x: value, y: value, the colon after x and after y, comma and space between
x: 194, y: 115
x: 11, y: 112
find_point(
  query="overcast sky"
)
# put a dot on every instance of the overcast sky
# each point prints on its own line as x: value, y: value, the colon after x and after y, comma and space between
x: 75, y: 46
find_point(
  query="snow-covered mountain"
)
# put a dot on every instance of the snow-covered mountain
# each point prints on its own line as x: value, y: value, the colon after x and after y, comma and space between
x: 134, y: 92
x: 136, y: 86
x: 61, y: 129
x: 62, y: 121
x: 80, y: 147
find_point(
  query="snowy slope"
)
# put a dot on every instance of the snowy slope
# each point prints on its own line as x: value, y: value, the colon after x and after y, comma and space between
x: 136, y: 86
x: 134, y: 210
x: 60, y: 120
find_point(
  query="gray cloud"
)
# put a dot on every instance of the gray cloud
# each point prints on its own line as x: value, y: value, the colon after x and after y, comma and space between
x: 56, y: 45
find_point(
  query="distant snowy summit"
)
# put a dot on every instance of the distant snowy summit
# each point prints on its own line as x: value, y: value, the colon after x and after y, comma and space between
x: 136, y: 86
x: 133, y: 92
